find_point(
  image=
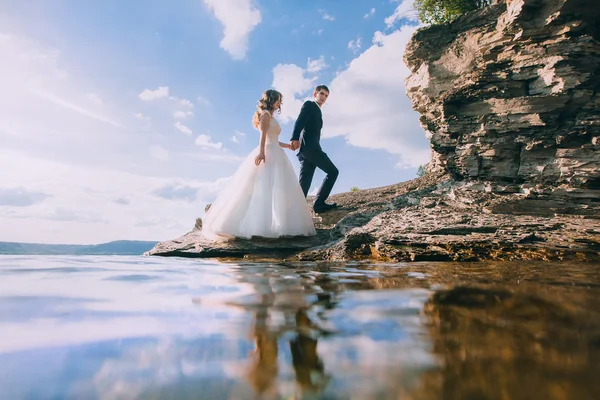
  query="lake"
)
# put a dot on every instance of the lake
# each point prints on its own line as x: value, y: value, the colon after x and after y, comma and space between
x: 120, y: 327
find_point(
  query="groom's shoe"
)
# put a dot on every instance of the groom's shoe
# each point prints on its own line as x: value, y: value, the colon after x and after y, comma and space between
x: 323, y: 207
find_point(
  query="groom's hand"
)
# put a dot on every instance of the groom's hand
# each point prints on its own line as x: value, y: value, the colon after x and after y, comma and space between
x: 294, y: 144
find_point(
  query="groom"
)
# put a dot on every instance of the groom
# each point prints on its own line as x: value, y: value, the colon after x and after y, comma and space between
x: 311, y: 156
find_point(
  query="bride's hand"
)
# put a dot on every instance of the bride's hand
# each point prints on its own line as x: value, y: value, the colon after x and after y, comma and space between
x: 260, y: 157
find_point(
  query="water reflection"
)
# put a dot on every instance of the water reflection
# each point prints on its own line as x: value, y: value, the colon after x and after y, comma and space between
x: 500, y: 343
x: 308, y: 367
x: 294, y: 311
x: 500, y: 331
x: 83, y: 328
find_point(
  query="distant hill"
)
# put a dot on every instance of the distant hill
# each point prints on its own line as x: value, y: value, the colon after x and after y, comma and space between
x: 118, y: 247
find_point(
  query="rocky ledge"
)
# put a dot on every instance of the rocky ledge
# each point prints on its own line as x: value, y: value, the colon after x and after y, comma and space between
x: 508, y: 97
x: 430, y: 218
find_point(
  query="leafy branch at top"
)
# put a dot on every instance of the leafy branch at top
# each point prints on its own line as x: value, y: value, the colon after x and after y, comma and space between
x: 441, y: 11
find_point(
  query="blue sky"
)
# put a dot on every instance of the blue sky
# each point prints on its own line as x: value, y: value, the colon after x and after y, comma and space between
x: 121, y: 120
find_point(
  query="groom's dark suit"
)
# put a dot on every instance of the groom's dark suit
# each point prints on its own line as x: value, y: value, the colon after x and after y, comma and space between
x: 307, y: 129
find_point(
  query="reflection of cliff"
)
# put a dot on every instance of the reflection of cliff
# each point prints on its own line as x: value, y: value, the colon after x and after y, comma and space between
x: 501, y: 344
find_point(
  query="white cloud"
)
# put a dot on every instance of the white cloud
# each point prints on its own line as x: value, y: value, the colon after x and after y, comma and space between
x: 355, y: 45
x: 183, y: 102
x: 314, y: 66
x: 239, y: 18
x: 183, y: 114
x: 149, y: 95
x: 368, y: 103
x: 177, y: 192
x: 295, y: 84
x: 237, y: 136
x: 179, y: 108
x: 73, y: 107
x: 94, y: 98
x: 290, y: 80
x: 201, y: 100
x: 164, y: 222
x: 183, y: 128
x: 326, y: 16
x: 44, y: 107
x: 404, y: 10
x: 64, y: 214
x: 163, y: 92
x: 79, y: 168
x: 211, y: 157
x: 367, y: 15
x: 160, y: 153
x: 79, y: 204
x: 20, y: 197
x: 206, y: 141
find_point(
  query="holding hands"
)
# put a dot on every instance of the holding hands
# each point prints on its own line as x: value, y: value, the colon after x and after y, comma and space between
x: 292, y: 145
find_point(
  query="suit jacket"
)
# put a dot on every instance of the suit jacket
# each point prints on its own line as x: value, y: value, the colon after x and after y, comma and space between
x: 308, y: 126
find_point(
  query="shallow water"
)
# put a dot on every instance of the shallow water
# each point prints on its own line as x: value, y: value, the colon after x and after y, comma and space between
x: 164, y: 328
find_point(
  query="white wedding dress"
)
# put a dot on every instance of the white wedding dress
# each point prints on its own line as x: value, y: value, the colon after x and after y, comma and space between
x: 264, y: 200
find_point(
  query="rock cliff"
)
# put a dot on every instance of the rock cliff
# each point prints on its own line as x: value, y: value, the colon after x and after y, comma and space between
x: 508, y: 97
x: 510, y: 93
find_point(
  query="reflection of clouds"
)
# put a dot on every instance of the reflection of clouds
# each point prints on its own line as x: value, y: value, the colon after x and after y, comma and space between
x: 405, y: 299
x: 198, y: 329
x: 343, y: 353
x: 382, y: 346
x: 43, y: 333
x: 160, y: 366
x: 365, y: 368
x: 362, y: 346
x: 386, y: 315
x: 97, y: 304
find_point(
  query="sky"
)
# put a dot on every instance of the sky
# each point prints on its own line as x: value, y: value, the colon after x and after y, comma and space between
x: 122, y: 120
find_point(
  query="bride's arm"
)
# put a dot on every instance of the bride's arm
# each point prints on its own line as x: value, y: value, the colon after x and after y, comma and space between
x: 284, y: 145
x: 264, y: 128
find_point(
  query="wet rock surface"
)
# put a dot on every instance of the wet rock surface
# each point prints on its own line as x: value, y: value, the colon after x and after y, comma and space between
x: 455, y: 222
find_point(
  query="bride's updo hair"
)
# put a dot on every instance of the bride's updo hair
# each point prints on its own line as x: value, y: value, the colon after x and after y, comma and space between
x: 266, y: 103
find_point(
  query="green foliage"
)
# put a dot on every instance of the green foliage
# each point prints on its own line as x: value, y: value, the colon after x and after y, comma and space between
x: 440, y: 11
x: 421, y: 171
x: 354, y: 189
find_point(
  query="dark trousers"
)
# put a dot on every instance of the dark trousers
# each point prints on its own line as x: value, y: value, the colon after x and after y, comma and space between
x: 311, y: 160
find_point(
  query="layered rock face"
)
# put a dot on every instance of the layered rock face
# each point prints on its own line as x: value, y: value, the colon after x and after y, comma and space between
x: 510, y: 93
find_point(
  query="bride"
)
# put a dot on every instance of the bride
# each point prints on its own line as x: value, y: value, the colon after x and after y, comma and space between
x: 263, y: 197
